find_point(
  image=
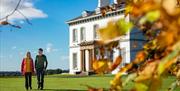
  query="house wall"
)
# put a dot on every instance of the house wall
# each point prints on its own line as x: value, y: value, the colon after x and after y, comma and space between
x: 136, y: 42
x: 75, y: 48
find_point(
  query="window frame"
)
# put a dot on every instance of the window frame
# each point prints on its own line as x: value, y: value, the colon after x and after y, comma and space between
x: 74, y: 61
x: 82, y: 34
x: 74, y: 35
x: 95, y: 28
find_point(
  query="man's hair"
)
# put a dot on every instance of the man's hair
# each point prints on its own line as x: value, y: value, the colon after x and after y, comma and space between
x: 40, y: 49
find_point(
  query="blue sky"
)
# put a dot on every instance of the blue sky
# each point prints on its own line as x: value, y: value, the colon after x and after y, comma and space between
x: 50, y: 33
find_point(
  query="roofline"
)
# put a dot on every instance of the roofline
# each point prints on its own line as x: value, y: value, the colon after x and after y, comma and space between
x: 92, y: 16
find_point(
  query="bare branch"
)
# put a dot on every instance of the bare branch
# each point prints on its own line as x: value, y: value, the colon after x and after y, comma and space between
x: 27, y: 20
x: 6, y: 17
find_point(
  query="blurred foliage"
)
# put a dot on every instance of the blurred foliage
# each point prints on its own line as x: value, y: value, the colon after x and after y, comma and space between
x: 159, y: 20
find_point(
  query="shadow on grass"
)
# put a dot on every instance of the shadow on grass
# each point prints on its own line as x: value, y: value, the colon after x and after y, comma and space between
x: 73, y: 90
x: 78, y: 76
x: 58, y: 90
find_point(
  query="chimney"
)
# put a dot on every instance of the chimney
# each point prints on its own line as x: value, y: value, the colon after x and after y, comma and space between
x: 102, y: 3
x: 118, y: 1
x: 85, y: 13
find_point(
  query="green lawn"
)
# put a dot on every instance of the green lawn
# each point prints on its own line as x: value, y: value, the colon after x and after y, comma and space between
x: 67, y: 83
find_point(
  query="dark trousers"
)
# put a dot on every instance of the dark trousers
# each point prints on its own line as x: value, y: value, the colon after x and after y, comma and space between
x: 40, y: 78
x: 28, y: 80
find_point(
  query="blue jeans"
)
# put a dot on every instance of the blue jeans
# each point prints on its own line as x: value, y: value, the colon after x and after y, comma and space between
x: 40, y: 77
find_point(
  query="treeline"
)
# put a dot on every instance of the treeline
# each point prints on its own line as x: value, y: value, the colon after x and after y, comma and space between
x: 10, y: 73
x: 55, y: 71
x: 17, y: 73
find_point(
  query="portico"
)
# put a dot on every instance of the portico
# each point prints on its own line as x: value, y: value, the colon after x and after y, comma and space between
x: 87, y: 51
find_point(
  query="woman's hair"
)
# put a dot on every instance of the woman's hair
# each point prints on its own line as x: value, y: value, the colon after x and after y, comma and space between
x: 29, y: 54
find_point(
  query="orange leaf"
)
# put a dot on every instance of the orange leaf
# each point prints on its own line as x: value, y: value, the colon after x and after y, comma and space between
x: 139, y: 57
x: 116, y: 63
x: 95, y: 89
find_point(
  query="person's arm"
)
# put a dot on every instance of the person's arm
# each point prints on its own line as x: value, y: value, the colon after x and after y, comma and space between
x: 46, y: 63
x: 36, y: 62
x: 22, y: 67
x: 32, y: 66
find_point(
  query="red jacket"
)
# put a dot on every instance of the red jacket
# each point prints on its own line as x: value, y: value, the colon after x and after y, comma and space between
x: 24, y: 64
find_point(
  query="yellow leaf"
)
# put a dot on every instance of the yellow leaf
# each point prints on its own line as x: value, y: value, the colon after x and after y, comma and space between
x: 100, y: 66
x: 150, y: 17
x: 115, y: 29
x: 141, y: 87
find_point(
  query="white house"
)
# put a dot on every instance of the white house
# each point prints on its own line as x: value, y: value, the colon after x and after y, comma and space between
x: 83, y: 46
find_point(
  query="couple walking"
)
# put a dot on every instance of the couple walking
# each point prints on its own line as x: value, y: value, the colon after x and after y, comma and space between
x: 27, y: 69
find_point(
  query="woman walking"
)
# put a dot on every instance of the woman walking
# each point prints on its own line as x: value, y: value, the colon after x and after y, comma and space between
x: 27, y: 69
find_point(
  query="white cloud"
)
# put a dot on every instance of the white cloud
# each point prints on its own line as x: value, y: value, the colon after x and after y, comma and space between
x: 34, y: 52
x: 50, y: 48
x: 26, y: 7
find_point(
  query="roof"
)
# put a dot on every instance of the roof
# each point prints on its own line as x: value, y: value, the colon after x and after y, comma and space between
x: 90, y: 13
x: 85, y: 43
x: 93, y: 13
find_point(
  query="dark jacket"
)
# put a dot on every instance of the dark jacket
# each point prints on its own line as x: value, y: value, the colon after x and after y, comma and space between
x: 41, y: 62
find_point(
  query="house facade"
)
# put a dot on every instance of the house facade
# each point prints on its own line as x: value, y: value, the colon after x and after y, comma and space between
x: 83, y: 39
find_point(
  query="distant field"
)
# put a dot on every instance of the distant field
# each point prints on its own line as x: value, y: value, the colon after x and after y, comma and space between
x: 66, y: 83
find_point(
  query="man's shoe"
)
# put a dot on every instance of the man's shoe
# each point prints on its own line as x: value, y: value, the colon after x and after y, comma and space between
x: 26, y: 88
x: 41, y: 89
x: 38, y: 87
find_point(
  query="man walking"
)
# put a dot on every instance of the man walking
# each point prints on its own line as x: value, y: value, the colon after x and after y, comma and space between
x: 40, y: 65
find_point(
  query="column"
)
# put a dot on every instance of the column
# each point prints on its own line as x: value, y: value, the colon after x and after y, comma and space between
x: 90, y: 59
x: 93, y: 53
x: 84, y: 60
x: 81, y: 60
x: 87, y: 60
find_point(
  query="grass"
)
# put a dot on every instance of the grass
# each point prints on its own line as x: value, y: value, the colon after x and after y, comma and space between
x: 67, y: 83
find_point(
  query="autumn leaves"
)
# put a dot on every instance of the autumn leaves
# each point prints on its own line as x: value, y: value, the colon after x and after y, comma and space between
x: 159, y: 20
x: 114, y: 29
x: 102, y: 66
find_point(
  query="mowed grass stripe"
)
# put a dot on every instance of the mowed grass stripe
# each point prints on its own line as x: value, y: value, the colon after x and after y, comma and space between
x: 69, y: 83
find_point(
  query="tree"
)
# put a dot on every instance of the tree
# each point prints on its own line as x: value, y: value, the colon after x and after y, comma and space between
x: 4, y: 20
